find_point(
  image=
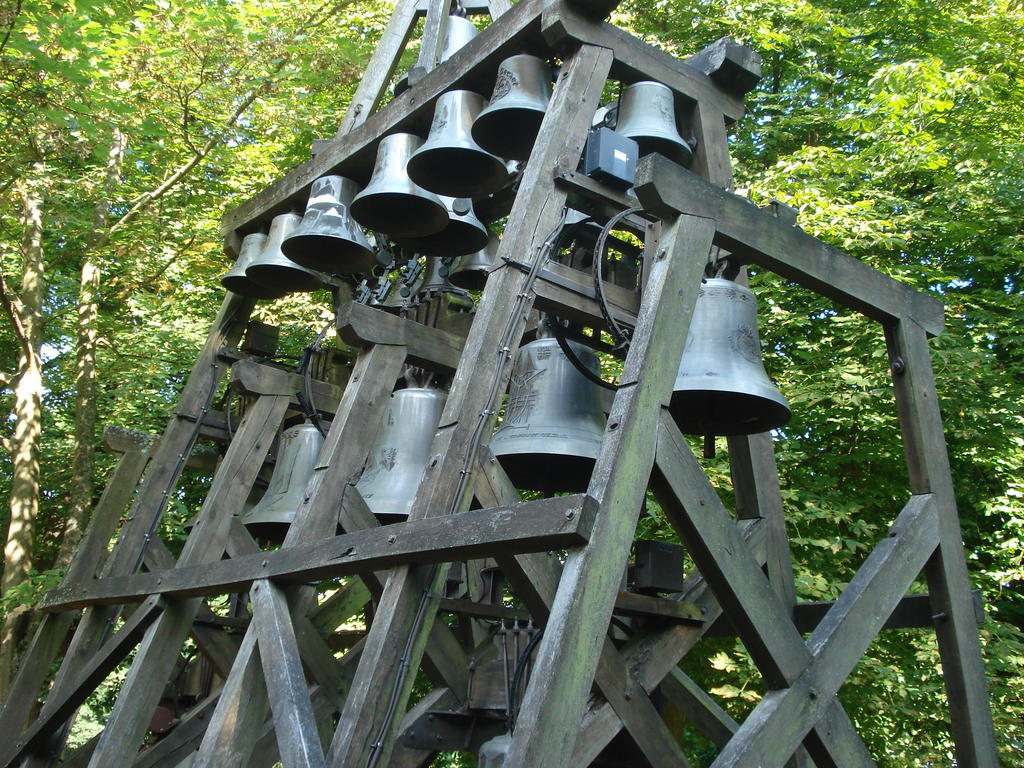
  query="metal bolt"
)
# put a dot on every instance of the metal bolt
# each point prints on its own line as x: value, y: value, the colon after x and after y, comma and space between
x: 264, y: 563
x: 391, y: 539
x: 570, y: 514
x: 899, y: 366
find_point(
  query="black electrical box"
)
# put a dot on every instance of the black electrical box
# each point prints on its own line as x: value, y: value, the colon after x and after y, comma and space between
x: 610, y: 158
x: 659, y: 567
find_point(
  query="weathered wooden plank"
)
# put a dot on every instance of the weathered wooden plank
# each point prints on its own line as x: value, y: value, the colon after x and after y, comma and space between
x: 159, y: 650
x: 123, y: 440
x: 762, y: 621
x: 287, y: 690
x: 361, y: 326
x: 757, y: 237
x: 569, y: 293
x: 948, y: 581
x: 636, y: 60
x: 733, y: 66
x: 771, y: 733
x: 434, y: 27
x: 52, y: 630
x: 700, y: 709
x: 483, y: 370
x: 353, y: 154
x: 381, y: 66
x: 71, y: 696
x: 583, y: 604
x: 633, y: 604
x: 259, y: 379
x: 530, y: 526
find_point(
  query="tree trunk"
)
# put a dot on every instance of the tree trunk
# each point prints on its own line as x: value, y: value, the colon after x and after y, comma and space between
x: 27, y: 431
x: 80, y: 501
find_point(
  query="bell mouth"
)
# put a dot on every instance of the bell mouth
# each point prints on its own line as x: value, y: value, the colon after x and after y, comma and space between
x: 709, y: 412
x: 288, y: 279
x: 469, y: 279
x: 400, y: 214
x: 333, y: 255
x: 548, y: 472
x: 457, y: 239
x: 509, y: 132
x: 244, y: 286
x: 676, y: 152
x: 457, y: 171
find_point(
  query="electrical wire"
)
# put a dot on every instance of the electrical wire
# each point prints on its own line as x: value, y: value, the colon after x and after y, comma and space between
x: 517, y: 677
x: 619, y: 334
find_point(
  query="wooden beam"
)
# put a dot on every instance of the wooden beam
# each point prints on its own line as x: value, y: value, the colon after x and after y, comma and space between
x: 569, y: 294
x: 763, y: 622
x: 530, y: 526
x: 260, y: 379
x: 771, y: 733
x: 362, y: 326
x: 700, y: 709
x: 948, y: 581
x: 563, y: 24
x: 734, y: 67
x: 123, y: 440
x: 757, y: 237
x: 366, y: 729
x: 577, y: 629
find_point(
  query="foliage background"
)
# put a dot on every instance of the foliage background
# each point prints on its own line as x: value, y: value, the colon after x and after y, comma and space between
x: 894, y: 126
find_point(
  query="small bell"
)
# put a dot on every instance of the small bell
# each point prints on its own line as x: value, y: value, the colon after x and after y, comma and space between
x: 328, y: 239
x: 459, y: 32
x: 647, y: 114
x: 450, y: 162
x: 509, y: 125
x: 273, y: 269
x: 236, y: 281
x: 471, y: 271
x: 553, y: 425
x: 400, y: 453
x: 464, y: 234
x: 392, y: 202
x: 721, y: 387
x: 297, y: 452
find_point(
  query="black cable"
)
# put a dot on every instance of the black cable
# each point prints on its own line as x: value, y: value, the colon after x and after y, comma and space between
x: 619, y: 335
x: 521, y: 663
x: 305, y: 367
x: 558, y: 332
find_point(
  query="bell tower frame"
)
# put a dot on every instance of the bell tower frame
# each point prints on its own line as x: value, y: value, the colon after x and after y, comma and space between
x: 287, y: 696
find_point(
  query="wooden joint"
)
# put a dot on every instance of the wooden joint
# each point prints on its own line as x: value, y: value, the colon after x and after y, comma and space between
x: 363, y: 326
x: 733, y: 66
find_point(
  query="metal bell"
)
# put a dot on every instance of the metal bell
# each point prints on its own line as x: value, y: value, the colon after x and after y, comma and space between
x: 459, y: 32
x: 297, y: 451
x: 400, y: 453
x: 647, y: 114
x: 450, y: 162
x: 471, y: 271
x: 328, y: 239
x: 509, y: 125
x: 721, y: 387
x: 464, y: 234
x: 392, y: 202
x: 553, y: 423
x: 272, y: 269
x: 236, y: 281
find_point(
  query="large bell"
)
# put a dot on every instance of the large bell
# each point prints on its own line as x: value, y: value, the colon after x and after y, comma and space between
x: 553, y: 423
x: 392, y: 202
x: 328, y: 239
x: 237, y: 281
x: 471, y: 271
x: 509, y: 125
x: 272, y: 269
x: 450, y: 162
x: 297, y: 451
x: 399, y: 456
x: 459, y: 32
x: 721, y: 387
x: 464, y: 233
x: 647, y: 114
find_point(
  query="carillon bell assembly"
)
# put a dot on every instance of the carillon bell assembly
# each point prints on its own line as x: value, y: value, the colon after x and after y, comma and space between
x: 273, y: 269
x: 392, y: 202
x: 297, y: 452
x: 237, y: 281
x: 459, y: 32
x: 450, y: 162
x: 509, y: 125
x: 553, y: 424
x: 463, y: 234
x: 328, y: 239
x: 400, y: 452
x: 721, y: 387
x: 471, y: 271
x: 647, y: 114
